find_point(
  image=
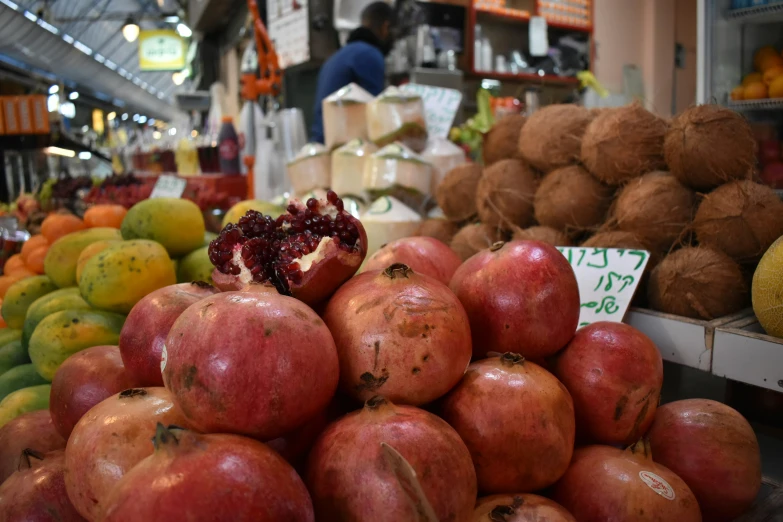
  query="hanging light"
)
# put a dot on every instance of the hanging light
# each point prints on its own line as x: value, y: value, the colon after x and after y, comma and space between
x: 184, y: 31
x: 130, y: 30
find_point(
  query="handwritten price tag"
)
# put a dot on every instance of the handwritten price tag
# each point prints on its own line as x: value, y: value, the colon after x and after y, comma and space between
x: 607, y: 279
x: 440, y: 107
x: 168, y: 187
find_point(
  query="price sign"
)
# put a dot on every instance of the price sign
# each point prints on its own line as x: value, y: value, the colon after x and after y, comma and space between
x: 608, y: 278
x: 168, y: 187
x: 440, y: 107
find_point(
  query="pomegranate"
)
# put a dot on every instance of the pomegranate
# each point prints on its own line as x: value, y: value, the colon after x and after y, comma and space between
x: 148, y: 324
x: 33, y: 430
x: 295, y: 445
x: 520, y: 297
x: 307, y: 252
x: 85, y: 379
x: 110, y: 439
x: 772, y: 174
x: 36, y: 493
x: 516, y: 419
x: 522, y: 507
x: 349, y: 478
x: 614, y: 374
x: 253, y: 363
x: 398, y: 333
x: 769, y: 151
x: 425, y: 255
x: 606, y: 484
x: 714, y: 450
x: 198, y: 478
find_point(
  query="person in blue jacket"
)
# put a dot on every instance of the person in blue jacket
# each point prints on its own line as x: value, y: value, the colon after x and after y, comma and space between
x: 361, y: 61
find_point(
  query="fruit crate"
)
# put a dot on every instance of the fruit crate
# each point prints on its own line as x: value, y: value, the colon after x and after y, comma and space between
x: 743, y: 352
x: 681, y: 340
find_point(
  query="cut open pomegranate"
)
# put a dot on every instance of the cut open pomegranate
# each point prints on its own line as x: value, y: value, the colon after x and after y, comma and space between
x: 306, y: 253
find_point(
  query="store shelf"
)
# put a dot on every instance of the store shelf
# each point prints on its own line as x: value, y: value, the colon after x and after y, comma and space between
x: 757, y: 14
x: 524, y: 78
x: 516, y: 15
x: 768, y: 104
x: 743, y: 352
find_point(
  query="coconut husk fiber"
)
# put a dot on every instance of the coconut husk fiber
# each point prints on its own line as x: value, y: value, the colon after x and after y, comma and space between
x: 626, y: 240
x: 697, y: 282
x: 708, y: 145
x: 456, y: 194
x: 552, y: 137
x: 504, y: 197
x: 473, y: 238
x: 571, y: 200
x: 501, y: 141
x: 441, y: 229
x: 544, y: 234
x: 623, y: 143
x: 741, y: 219
x: 656, y: 208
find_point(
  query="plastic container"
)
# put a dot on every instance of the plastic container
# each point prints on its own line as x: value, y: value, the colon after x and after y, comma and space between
x: 345, y: 115
x: 386, y: 220
x: 228, y: 146
x: 443, y: 155
x: 348, y: 167
x: 397, y: 115
x: 310, y: 169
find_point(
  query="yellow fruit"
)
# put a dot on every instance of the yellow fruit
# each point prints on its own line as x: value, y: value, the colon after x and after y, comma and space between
x: 776, y: 88
x: 241, y: 208
x: 767, y: 290
x: 21, y: 295
x: 751, y: 78
x: 177, y: 224
x: 755, y: 91
x: 88, y: 253
x: 63, y: 255
x: 738, y: 93
x: 761, y: 54
x: 125, y: 272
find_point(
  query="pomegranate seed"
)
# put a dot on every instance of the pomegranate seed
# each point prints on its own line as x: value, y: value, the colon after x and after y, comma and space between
x: 292, y: 209
x: 331, y: 196
x: 312, y: 203
x: 339, y: 205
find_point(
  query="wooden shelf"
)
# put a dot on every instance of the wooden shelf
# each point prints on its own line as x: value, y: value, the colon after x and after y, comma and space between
x: 515, y: 15
x: 524, y: 78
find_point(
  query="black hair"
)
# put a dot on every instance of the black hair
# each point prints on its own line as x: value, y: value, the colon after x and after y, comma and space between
x: 376, y: 14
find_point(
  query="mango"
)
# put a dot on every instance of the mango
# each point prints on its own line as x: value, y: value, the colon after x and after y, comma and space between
x: 241, y: 208
x: 120, y: 276
x: 63, y: 299
x: 16, y: 403
x: 12, y: 355
x: 195, y: 266
x: 177, y: 224
x: 21, y: 295
x: 9, y: 334
x: 63, y: 255
x: 208, y: 237
x: 19, y: 377
x: 89, y: 252
x: 64, y: 333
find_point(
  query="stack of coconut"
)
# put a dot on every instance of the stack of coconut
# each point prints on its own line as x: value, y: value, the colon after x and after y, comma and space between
x: 624, y: 178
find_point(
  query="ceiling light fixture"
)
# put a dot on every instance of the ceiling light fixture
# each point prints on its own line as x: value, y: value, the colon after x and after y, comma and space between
x: 73, y: 96
x: 60, y: 152
x: 130, y: 30
x: 111, y: 115
x: 184, y: 31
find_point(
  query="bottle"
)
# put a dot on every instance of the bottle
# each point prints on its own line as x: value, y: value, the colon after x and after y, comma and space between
x: 228, y: 145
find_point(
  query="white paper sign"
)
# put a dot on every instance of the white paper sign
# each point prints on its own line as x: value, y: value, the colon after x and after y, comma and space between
x: 289, y: 30
x: 168, y: 187
x: 440, y: 107
x: 608, y: 278
x: 538, y: 36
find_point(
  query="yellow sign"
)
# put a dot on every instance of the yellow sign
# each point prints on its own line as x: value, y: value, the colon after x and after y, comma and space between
x: 161, y: 50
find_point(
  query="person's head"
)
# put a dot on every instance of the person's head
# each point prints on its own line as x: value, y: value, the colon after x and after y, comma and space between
x: 378, y: 17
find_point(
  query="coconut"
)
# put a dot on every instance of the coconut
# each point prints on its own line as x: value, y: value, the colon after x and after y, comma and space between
x: 505, y: 193
x: 741, y: 219
x: 441, y: 229
x: 571, y: 200
x: 501, y: 141
x: 552, y: 136
x: 456, y: 195
x: 545, y: 234
x: 697, y: 282
x: 709, y: 145
x: 655, y: 208
x: 474, y: 238
x: 624, y: 143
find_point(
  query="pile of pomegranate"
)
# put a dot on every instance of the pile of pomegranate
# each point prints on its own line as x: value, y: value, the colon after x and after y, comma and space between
x: 421, y: 389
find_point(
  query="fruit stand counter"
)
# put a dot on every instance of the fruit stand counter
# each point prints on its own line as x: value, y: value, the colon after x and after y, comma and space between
x: 233, y: 186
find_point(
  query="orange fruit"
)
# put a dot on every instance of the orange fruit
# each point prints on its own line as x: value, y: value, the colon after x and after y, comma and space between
x: 761, y: 54
x: 738, y: 93
x: 35, y: 260
x: 752, y: 77
x: 755, y: 91
x: 56, y: 226
x: 776, y: 87
x: 772, y: 73
x: 7, y: 280
x: 768, y: 62
x: 31, y: 244
x: 105, y: 216
x: 13, y: 263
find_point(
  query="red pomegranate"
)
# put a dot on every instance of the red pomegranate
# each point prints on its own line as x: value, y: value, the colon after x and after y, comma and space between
x: 209, y: 477
x: 516, y: 419
x: 398, y: 333
x: 148, y: 323
x: 295, y: 445
x: 36, y: 493
x: 85, y: 379
x: 522, y: 507
x: 714, y: 450
x: 307, y: 253
x: 33, y: 430
x: 350, y: 479
x: 425, y: 255
x: 769, y: 151
x: 772, y: 174
x: 520, y: 297
x: 110, y: 439
x: 253, y: 363
x: 614, y: 374
x: 606, y: 484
